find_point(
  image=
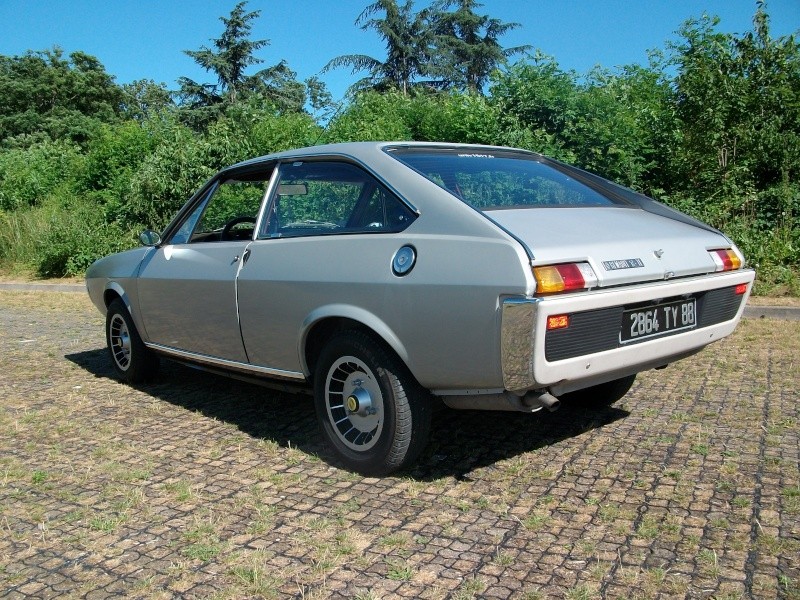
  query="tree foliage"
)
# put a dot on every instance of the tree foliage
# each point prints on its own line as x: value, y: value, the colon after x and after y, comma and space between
x: 434, y: 48
x: 46, y: 96
x: 229, y: 60
x: 468, y: 46
x: 408, y: 39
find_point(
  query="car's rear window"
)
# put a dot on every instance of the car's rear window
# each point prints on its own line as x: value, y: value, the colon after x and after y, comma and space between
x: 494, y: 180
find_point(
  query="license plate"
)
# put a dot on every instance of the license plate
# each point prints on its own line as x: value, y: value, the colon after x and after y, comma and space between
x: 661, y: 319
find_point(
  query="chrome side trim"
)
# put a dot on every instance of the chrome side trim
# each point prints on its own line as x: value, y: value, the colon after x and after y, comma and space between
x: 516, y: 342
x: 227, y: 364
x: 468, y: 392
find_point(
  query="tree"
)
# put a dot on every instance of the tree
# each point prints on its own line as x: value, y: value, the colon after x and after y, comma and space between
x: 408, y: 47
x: 229, y: 60
x: 468, y: 47
x: 46, y: 96
x: 143, y: 98
x: 738, y: 102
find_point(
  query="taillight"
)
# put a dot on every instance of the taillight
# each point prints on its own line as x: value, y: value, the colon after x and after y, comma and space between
x: 726, y: 260
x: 566, y: 277
x: 740, y: 289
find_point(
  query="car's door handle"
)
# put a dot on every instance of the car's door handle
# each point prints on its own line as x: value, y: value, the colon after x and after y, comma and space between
x: 245, y: 256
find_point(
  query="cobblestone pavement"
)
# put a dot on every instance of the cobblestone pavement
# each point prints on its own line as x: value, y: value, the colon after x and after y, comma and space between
x: 198, y: 486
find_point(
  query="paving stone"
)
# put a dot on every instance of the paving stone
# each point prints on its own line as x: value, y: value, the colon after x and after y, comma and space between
x: 196, y: 485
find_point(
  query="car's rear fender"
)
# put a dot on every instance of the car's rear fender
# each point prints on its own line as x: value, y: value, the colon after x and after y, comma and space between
x: 326, y: 320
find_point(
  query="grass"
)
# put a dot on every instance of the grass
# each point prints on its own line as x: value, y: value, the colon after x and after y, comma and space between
x: 181, y: 491
x: 648, y: 527
x: 536, y: 521
x: 581, y: 592
x: 791, y: 499
x: 263, y: 519
x: 395, y: 540
x: 469, y: 588
x: 38, y: 477
x: 709, y: 562
x: 105, y: 523
x: 503, y: 559
x: 399, y: 570
x: 203, y: 541
x: 20, y: 233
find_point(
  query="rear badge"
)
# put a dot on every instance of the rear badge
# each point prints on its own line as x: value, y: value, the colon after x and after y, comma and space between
x: 627, y: 263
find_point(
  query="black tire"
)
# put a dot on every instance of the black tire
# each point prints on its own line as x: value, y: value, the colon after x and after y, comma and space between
x: 371, y: 410
x: 604, y: 394
x: 132, y: 361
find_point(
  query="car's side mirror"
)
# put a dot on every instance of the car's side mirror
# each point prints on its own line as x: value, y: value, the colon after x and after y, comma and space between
x: 150, y: 238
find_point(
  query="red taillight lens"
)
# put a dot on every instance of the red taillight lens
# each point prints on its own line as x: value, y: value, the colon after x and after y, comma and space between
x: 740, y: 289
x: 567, y: 277
x: 726, y: 260
x: 557, y: 322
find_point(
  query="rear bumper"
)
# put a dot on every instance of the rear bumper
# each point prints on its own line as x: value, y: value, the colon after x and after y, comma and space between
x: 531, y: 361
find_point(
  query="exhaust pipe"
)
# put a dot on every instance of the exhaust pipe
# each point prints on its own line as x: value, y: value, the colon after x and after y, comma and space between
x: 542, y: 400
x: 533, y: 401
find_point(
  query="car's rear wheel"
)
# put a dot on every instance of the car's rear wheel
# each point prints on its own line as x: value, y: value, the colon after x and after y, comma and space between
x: 371, y: 410
x: 132, y: 361
x: 604, y: 394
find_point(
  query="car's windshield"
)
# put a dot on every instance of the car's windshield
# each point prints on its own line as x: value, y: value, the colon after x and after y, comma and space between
x: 493, y: 180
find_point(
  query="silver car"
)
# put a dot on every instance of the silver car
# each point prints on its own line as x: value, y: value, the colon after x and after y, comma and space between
x: 379, y: 275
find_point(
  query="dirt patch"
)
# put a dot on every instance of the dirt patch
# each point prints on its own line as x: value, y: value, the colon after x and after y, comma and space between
x: 774, y: 301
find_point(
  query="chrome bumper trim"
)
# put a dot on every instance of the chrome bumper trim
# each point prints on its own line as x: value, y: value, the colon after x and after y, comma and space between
x: 516, y: 342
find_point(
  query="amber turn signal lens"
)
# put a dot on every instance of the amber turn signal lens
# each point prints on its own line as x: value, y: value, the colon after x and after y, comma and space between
x: 567, y: 277
x: 726, y: 260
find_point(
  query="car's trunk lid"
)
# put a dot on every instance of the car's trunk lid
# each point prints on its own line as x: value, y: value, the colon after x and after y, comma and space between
x: 623, y: 245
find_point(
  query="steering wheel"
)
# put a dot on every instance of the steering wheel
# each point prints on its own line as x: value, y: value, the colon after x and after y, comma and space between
x: 226, y: 231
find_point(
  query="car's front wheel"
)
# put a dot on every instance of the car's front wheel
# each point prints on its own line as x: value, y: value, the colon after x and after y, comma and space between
x: 132, y: 361
x: 371, y: 410
x: 604, y: 394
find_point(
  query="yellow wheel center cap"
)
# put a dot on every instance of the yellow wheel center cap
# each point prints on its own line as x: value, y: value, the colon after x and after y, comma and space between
x: 352, y: 403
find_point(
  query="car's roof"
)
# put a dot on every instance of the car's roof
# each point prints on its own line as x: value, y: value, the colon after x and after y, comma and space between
x: 362, y: 150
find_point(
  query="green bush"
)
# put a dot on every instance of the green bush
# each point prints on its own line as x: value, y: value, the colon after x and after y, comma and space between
x: 74, y: 238
x: 168, y: 176
x: 273, y: 133
x: 112, y: 158
x: 372, y: 117
x: 29, y: 176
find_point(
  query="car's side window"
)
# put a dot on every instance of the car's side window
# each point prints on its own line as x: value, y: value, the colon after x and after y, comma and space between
x: 184, y: 232
x: 328, y: 197
x: 228, y: 213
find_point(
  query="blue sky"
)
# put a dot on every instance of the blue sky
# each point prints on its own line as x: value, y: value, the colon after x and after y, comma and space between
x: 144, y: 39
